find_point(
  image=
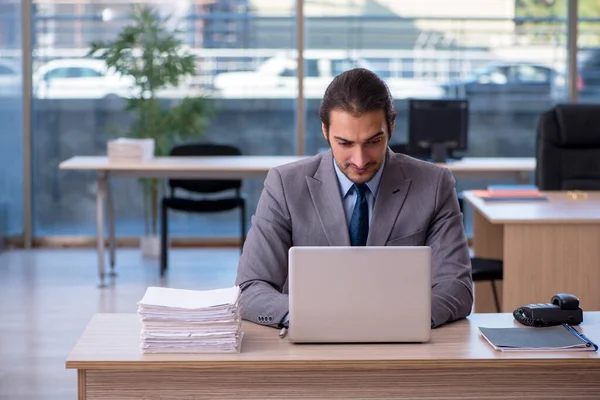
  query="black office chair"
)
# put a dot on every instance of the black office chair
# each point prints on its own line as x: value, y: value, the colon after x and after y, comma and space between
x: 203, y: 187
x: 483, y: 269
x: 568, y: 148
x: 486, y: 269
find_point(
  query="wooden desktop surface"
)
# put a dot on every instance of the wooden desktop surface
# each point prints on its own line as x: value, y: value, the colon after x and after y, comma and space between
x: 456, y: 363
x: 112, y: 341
x: 560, y: 207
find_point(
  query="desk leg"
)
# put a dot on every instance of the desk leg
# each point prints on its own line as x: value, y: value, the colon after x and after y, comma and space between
x: 100, y: 194
x: 487, y: 243
x: 81, y: 384
x: 111, y: 226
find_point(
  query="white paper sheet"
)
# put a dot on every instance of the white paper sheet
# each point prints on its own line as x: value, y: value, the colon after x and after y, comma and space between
x: 183, y: 299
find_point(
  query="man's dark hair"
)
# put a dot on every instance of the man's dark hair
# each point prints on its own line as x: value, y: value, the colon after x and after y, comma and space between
x: 356, y: 92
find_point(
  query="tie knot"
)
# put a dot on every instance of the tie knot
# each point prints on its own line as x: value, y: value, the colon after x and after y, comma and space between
x: 361, y: 189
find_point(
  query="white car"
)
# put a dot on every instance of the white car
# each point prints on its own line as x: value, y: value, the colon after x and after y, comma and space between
x: 79, y: 78
x: 89, y: 78
x: 277, y: 78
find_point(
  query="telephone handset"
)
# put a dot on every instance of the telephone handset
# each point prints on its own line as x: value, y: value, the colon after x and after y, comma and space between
x: 563, y: 308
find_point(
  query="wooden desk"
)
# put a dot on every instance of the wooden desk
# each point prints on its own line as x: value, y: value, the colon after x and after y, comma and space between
x: 547, y: 247
x: 457, y: 363
x: 239, y: 167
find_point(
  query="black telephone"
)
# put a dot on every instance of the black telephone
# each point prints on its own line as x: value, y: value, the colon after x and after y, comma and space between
x: 563, y: 308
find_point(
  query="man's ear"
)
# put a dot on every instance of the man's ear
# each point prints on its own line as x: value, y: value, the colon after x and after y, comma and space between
x: 324, y: 129
x: 391, y: 129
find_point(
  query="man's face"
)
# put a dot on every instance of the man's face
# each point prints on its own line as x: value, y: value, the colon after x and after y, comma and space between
x: 358, y: 144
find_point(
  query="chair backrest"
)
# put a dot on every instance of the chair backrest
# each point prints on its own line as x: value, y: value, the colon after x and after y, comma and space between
x: 205, y: 185
x: 568, y: 148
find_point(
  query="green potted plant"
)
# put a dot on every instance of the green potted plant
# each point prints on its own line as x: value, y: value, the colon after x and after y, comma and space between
x: 155, y: 59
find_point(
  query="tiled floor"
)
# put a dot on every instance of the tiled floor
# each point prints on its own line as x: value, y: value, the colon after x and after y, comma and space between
x: 47, y: 298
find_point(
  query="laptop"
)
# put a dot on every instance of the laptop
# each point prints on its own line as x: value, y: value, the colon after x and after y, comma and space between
x: 359, y: 294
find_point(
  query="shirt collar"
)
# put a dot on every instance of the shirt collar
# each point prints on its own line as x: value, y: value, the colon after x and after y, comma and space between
x: 345, y: 184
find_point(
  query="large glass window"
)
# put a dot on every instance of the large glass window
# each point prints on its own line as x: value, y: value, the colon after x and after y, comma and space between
x: 506, y: 57
x: 11, y: 138
x: 244, y: 66
x: 588, y: 56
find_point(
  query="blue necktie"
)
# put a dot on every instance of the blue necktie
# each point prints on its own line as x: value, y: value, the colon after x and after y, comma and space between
x: 359, y: 223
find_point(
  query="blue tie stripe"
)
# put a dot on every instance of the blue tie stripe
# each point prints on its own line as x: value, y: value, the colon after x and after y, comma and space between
x: 359, y: 223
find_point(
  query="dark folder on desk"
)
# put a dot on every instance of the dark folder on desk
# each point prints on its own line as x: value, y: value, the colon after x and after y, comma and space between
x: 555, y: 338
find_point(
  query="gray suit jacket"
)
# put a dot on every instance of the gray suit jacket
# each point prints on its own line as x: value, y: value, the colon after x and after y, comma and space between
x: 301, y: 205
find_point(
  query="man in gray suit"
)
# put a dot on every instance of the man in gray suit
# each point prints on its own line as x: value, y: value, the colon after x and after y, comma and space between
x: 358, y: 193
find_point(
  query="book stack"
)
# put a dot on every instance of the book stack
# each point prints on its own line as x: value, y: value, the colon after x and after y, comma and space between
x: 190, y: 321
x: 125, y: 150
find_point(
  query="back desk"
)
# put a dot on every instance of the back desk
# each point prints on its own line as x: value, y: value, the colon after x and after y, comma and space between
x: 456, y: 364
x: 548, y: 247
x: 237, y: 167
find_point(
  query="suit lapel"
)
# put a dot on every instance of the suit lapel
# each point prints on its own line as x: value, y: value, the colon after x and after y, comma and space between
x: 325, y: 193
x: 393, y: 188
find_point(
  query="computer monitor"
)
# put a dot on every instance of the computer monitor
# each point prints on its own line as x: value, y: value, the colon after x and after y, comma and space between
x: 437, y: 127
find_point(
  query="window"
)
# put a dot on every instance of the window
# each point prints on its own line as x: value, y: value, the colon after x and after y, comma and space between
x: 471, y: 49
x: 11, y: 111
x: 254, y: 111
x: 339, y: 66
x: 312, y: 69
x: 532, y: 74
x: 84, y: 73
x: 497, y: 76
x: 57, y: 73
x: 246, y: 56
x: 72, y: 72
x: 588, y: 55
x: 432, y: 49
x: 6, y: 71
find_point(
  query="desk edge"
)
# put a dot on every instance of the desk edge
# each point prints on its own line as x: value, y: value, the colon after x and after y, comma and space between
x: 337, y: 364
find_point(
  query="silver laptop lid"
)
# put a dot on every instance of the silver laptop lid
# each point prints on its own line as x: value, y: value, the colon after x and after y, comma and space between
x: 360, y: 294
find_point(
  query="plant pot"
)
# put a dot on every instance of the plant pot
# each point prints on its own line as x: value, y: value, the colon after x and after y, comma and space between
x: 150, y: 246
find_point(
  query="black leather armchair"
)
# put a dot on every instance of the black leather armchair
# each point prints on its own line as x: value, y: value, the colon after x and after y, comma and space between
x: 568, y: 148
x: 202, y: 187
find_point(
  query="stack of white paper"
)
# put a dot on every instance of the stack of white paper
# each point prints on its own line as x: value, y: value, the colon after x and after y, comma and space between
x: 190, y: 321
x: 130, y: 150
